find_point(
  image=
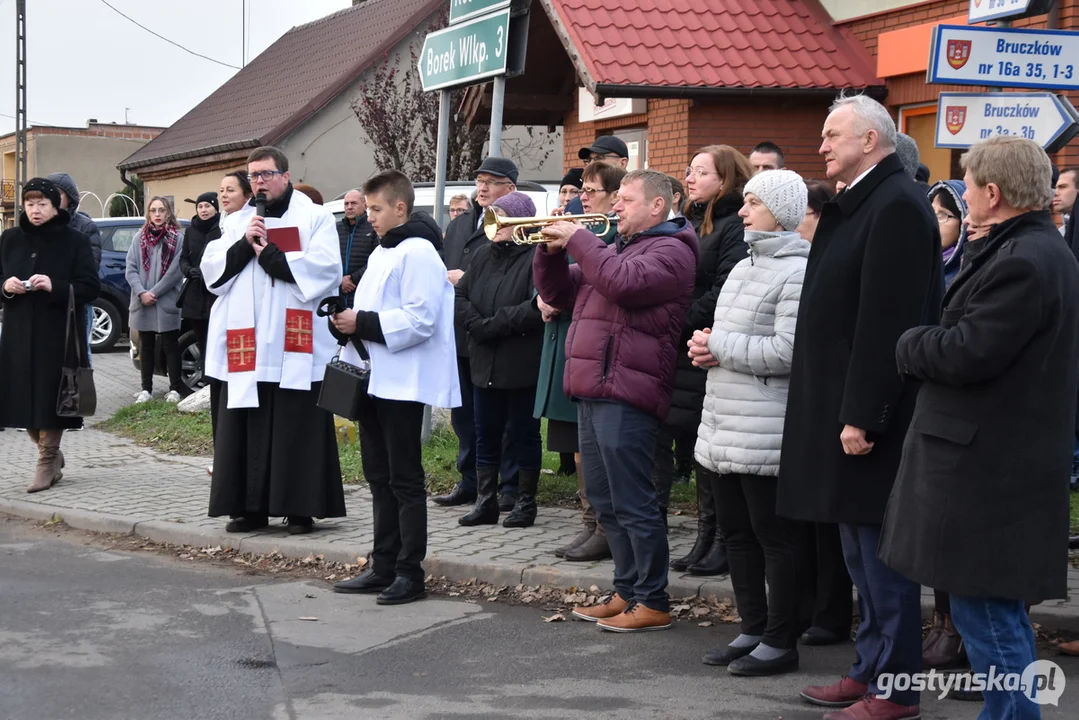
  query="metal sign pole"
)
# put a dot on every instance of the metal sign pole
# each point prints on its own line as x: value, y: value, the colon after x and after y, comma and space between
x: 20, y: 100
x: 441, y: 161
x: 498, y: 97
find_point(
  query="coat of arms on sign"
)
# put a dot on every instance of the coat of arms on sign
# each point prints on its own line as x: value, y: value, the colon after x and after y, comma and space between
x: 958, y: 53
x: 955, y: 116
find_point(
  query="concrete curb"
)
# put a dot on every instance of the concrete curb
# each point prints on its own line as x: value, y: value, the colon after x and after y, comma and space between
x: 1051, y: 615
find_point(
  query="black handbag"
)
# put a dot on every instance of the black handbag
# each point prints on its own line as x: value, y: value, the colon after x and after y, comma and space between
x: 345, y: 386
x: 77, y: 396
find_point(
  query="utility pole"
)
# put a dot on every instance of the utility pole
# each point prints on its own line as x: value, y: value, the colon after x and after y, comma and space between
x: 20, y: 99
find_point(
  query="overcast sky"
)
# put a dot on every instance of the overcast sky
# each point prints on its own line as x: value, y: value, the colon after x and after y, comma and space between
x: 85, y: 61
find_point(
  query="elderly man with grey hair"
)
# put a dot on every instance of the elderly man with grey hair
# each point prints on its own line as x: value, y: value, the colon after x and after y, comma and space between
x: 986, y: 463
x: 874, y: 272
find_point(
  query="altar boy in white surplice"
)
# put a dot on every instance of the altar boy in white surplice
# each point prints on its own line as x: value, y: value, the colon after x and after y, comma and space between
x: 403, y: 321
x: 275, y: 452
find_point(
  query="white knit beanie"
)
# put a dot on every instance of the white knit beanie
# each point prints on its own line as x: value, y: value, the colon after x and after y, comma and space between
x: 783, y: 192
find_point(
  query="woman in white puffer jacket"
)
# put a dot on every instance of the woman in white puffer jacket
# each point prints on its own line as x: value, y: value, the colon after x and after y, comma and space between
x: 749, y: 351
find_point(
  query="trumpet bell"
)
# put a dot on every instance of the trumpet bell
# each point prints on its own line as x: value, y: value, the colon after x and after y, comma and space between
x: 493, y: 223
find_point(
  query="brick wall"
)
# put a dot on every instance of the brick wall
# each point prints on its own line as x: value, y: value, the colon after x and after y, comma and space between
x: 126, y: 132
x: 793, y: 124
x: 576, y: 135
x: 912, y: 89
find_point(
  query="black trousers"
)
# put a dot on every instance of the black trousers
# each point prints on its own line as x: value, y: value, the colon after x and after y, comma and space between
x: 201, y: 326
x: 830, y: 584
x: 393, y: 467
x: 763, y: 546
x: 665, y: 469
x: 148, y: 356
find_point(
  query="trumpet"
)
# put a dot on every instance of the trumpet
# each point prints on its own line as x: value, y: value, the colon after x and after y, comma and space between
x: 492, y: 223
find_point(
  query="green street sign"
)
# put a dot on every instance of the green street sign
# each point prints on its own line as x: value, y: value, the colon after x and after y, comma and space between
x: 461, y: 10
x: 462, y: 54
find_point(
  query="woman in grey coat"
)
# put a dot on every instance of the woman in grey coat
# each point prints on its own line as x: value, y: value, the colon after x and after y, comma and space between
x: 153, y: 272
x: 749, y: 349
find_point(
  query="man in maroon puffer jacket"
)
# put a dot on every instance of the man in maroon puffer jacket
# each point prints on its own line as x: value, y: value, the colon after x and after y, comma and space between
x: 629, y: 300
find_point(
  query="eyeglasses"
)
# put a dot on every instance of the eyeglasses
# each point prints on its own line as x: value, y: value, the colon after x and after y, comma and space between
x: 604, y: 156
x: 698, y: 173
x: 945, y: 217
x: 491, y: 183
x: 158, y: 211
x: 265, y: 175
x: 454, y: 212
x: 586, y: 191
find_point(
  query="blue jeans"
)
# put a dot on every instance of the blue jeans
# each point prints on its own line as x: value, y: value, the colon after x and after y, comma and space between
x: 463, y: 421
x: 998, y: 634
x: 89, y: 325
x: 889, y: 636
x: 617, y: 445
x: 504, y: 417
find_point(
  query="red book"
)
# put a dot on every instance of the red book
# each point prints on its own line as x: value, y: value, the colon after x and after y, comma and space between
x: 287, y: 239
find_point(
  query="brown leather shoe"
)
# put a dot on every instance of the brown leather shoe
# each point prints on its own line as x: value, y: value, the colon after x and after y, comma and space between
x: 948, y: 651
x: 875, y: 708
x: 614, y: 605
x: 844, y: 693
x: 638, y: 618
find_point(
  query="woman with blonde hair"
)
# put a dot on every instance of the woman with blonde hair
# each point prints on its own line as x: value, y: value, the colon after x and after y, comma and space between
x: 714, y: 182
x: 153, y: 272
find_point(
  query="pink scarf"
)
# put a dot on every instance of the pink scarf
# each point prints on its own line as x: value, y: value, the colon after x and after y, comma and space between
x: 148, y: 240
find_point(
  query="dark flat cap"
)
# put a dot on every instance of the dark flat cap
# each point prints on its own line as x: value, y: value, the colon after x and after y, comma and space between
x: 604, y: 145
x: 499, y: 167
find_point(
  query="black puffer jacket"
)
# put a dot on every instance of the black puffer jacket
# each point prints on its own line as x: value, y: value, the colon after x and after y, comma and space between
x: 721, y: 250
x: 364, y: 241
x: 496, y: 311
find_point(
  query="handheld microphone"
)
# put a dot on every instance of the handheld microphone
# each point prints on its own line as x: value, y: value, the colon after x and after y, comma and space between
x: 260, y: 204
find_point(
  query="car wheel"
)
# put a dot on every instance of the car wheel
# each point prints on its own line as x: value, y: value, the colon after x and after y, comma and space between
x: 190, y: 361
x: 106, y: 328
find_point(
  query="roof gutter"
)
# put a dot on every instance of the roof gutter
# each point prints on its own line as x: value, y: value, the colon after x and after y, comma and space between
x: 604, y: 90
x: 198, y: 152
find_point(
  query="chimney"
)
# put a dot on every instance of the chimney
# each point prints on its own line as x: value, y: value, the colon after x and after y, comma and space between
x: 91, y: 121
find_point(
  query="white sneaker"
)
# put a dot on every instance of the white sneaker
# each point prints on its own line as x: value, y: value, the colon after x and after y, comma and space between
x: 143, y: 397
x: 210, y: 470
x: 173, y: 397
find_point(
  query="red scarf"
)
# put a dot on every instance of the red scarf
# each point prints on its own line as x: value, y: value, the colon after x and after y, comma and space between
x: 148, y: 240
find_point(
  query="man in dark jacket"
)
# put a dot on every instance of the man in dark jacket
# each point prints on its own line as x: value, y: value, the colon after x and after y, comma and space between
x: 980, y: 505
x: 628, y: 300
x: 873, y: 273
x: 80, y: 221
x: 495, y: 178
x: 358, y: 241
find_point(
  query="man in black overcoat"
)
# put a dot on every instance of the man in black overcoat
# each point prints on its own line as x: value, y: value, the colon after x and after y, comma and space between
x: 873, y: 273
x: 980, y: 505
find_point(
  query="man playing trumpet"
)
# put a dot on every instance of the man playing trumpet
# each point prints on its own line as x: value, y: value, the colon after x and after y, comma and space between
x: 628, y: 300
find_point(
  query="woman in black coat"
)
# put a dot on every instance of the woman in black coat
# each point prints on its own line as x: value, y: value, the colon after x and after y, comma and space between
x: 195, y: 300
x: 496, y: 310
x: 714, y: 182
x: 41, y: 261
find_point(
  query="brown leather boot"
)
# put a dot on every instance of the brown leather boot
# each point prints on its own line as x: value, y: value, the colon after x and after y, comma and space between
x: 48, y: 461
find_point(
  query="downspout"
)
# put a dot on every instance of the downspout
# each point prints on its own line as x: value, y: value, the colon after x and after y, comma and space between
x: 134, y: 188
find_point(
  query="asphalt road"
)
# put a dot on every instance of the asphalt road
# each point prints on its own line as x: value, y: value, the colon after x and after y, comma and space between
x: 105, y: 635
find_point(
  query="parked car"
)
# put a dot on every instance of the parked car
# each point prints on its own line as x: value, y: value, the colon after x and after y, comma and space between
x: 543, y: 194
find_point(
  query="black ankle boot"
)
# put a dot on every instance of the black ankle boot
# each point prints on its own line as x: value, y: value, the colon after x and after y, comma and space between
x: 706, y: 525
x: 485, y: 511
x: 524, y: 510
x: 713, y: 563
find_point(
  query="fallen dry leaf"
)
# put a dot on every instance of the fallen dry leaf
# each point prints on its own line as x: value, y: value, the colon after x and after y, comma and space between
x: 706, y: 623
x: 308, y: 618
x: 308, y: 595
x: 557, y: 617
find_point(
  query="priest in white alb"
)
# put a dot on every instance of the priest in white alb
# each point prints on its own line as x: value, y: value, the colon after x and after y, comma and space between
x: 275, y: 452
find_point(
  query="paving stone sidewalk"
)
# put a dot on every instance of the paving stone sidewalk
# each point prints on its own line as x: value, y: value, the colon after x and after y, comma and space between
x: 113, y: 485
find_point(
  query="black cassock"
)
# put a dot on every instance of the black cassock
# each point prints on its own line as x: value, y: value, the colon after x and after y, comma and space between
x: 278, y: 459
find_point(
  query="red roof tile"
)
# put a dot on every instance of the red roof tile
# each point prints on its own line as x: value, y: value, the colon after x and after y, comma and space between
x: 704, y: 44
x: 289, y: 82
